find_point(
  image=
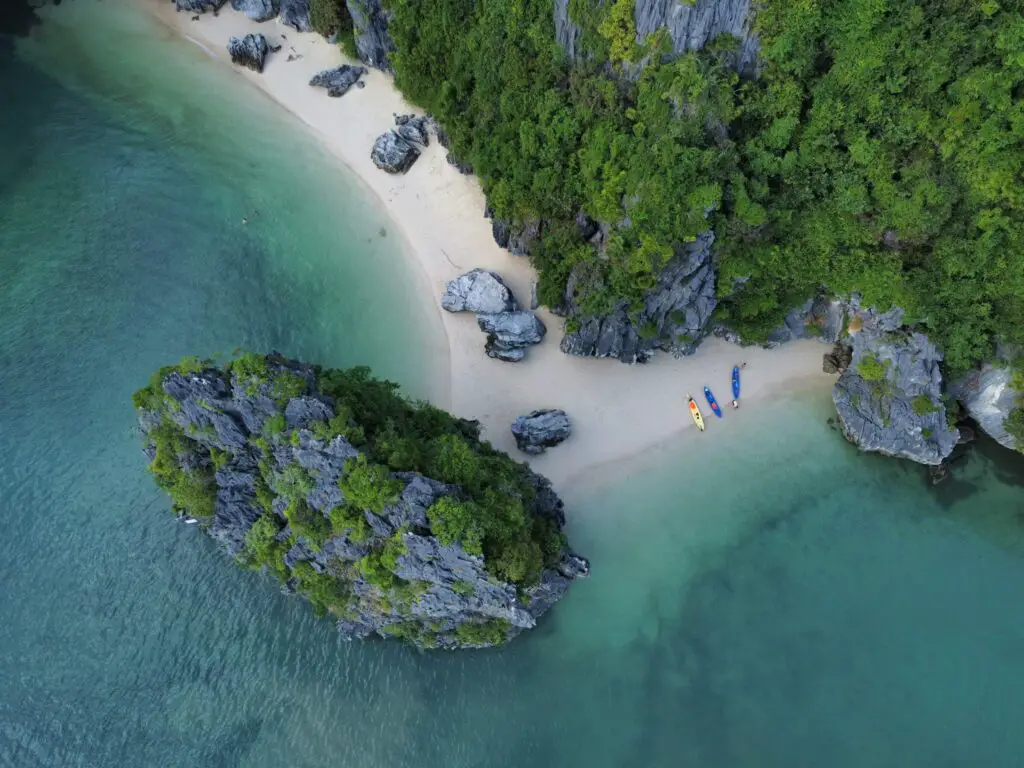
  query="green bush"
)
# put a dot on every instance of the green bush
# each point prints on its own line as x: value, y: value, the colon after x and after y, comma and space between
x: 488, y: 632
x: 923, y: 405
x: 870, y: 369
x: 369, y: 486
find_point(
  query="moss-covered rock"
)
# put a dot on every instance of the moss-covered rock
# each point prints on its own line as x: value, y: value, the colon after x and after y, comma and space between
x: 389, y: 515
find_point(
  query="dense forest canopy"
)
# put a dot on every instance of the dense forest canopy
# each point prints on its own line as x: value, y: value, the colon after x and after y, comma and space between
x: 879, y: 150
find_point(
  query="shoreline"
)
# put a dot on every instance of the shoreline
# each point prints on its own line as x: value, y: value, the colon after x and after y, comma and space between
x: 618, y: 412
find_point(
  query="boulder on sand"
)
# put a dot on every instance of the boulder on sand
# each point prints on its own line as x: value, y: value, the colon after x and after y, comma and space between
x: 478, y: 290
x: 249, y: 51
x: 508, y: 333
x: 540, y: 430
x: 393, y: 154
x: 295, y: 14
x: 198, y: 6
x: 257, y: 10
x: 339, y: 80
x: 413, y: 129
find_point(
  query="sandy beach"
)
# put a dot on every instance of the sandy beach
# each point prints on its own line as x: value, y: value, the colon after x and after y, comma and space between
x: 618, y: 411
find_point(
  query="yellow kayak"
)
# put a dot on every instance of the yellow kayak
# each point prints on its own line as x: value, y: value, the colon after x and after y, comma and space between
x: 698, y: 419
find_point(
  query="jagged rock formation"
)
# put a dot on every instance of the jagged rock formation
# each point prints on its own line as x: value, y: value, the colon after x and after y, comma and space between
x: 295, y: 14
x: 370, y: 29
x: 515, y: 236
x: 889, y: 399
x: 674, y: 318
x: 691, y: 25
x: 510, y: 333
x: 249, y: 51
x: 540, y: 430
x: 257, y: 10
x: 393, y: 154
x: 990, y: 397
x: 510, y: 330
x: 339, y: 80
x: 822, y: 318
x: 270, y: 456
x: 478, y: 291
x: 199, y: 6
x: 414, y: 129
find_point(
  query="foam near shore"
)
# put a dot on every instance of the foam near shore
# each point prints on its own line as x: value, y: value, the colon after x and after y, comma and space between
x: 618, y: 411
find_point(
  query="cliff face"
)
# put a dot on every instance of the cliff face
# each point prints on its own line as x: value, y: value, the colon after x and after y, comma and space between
x: 990, y: 397
x: 889, y: 399
x: 690, y: 27
x: 675, y: 315
x: 273, y: 469
x: 370, y: 29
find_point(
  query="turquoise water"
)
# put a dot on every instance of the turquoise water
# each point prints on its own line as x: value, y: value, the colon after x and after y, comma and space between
x: 782, y: 601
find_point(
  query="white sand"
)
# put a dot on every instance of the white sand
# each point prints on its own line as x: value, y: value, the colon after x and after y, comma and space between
x: 617, y: 411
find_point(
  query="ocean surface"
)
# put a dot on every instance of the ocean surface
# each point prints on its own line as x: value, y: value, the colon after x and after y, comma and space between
x: 760, y: 597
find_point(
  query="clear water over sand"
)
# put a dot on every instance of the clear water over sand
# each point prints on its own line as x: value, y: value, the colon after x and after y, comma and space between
x: 777, y: 602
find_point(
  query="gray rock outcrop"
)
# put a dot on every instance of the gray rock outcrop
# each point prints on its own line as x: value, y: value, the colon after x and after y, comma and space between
x: 393, y: 154
x: 989, y: 397
x: 889, y: 399
x: 478, y: 290
x: 339, y: 80
x: 440, y: 588
x: 822, y: 318
x: 249, y: 51
x: 540, y: 430
x: 370, y: 30
x: 295, y: 14
x: 257, y: 10
x: 691, y: 25
x: 675, y: 316
x: 515, y: 236
x: 414, y: 128
x: 509, y: 333
x: 199, y: 6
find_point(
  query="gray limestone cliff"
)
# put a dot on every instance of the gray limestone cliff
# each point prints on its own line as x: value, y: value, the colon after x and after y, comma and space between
x: 989, y: 396
x: 690, y: 26
x: 889, y: 398
x: 270, y: 457
x: 370, y: 30
x: 675, y: 316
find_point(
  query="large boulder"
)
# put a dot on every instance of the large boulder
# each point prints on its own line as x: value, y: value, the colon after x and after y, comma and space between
x: 889, y: 399
x: 675, y: 316
x: 508, y: 333
x: 822, y: 318
x: 257, y: 10
x: 295, y: 14
x: 514, y: 236
x: 370, y: 30
x: 249, y: 51
x: 478, y: 290
x: 339, y: 80
x: 414, y: 128
x: 393, y: 154
x: 199, y: 6
x: 990, y: 397
x: 540, y: 430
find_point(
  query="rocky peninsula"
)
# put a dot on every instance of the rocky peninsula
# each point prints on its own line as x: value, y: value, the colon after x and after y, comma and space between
x: 394, y: 518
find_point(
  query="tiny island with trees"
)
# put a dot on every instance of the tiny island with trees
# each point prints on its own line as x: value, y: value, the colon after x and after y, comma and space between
x: 391, y: 516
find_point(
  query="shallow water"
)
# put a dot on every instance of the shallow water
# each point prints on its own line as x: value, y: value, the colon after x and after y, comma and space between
x: 778, y: 601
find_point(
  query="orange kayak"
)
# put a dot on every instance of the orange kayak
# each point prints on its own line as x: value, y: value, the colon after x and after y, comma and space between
x: 698, y: 419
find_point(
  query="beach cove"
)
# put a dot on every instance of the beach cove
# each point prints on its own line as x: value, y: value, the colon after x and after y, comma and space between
x: 617, y: 411
x: 764, y: 595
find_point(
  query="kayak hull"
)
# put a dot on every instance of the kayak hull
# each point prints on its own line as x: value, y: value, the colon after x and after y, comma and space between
x: 698, y: 418
x: 712, y: 402
x: 736, y: 382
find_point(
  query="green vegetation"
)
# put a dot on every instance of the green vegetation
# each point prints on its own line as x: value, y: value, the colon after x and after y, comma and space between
x: 490, y: 632
x: 923, y: 405
x: 870, y: 369
x: 488, y: 513
x: 879, y: 150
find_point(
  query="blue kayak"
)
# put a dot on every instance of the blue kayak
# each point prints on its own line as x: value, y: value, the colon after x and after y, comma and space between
x: 736, y: 382
x: 712, y: 402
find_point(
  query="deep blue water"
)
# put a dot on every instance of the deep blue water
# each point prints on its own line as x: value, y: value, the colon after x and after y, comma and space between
x: 781, y: 602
